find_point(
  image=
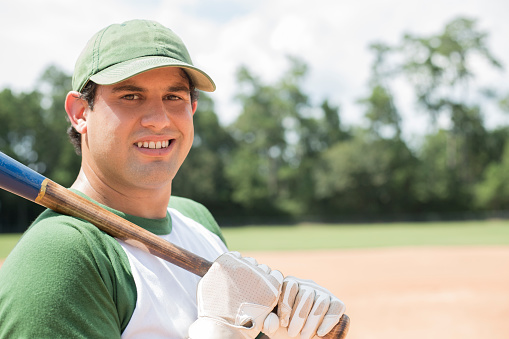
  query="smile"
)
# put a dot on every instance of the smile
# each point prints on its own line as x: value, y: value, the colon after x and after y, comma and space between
x: 154, y: 144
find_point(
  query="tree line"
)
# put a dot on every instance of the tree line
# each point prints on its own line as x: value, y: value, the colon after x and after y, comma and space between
x: 285, y: 158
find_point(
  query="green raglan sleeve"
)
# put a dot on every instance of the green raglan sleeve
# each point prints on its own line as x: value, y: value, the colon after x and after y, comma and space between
x: 198, y: 213
x: 65, y: 279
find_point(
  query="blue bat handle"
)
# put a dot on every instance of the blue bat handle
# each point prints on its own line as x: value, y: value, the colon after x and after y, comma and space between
x: 19, y: 179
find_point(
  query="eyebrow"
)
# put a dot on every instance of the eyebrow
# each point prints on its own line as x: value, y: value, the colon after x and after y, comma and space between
x: 134, y: 88
x: 127, y: 88
x: 178, y: 89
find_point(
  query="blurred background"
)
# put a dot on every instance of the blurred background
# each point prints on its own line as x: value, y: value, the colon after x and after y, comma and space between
x: 360, y: 144
x: 389, y: 110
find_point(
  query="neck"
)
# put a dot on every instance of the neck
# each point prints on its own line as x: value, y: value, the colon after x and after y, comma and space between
x: 146, y: 203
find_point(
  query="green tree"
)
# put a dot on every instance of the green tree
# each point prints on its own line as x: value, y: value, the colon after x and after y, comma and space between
x: 260, y: 134
x: 439, y: 69
x: 279, y: 135
x: 53, y: 146
x: 332, y: 130
x: 374, y: 171
x: 381, y: 112
x: 384, y: 119
x: 439, y: 66
x: 365, y: 175
x: 504, y: 103
x: 318, y: 134
x: 17, y: 112
x: 492, y: 193
x: 438, y: 188
x: 33, y: 131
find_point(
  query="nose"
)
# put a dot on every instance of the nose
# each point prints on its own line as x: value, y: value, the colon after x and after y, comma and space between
x: 156, y: 116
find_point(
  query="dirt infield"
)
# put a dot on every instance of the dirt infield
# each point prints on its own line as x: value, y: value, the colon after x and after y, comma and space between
x: 411, y: 293
x: 417, y: 293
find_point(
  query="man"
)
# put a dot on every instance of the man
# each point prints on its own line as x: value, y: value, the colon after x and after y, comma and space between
x: 131, y: 111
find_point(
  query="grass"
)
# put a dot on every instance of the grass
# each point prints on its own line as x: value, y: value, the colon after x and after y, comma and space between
x: 7, y: 243
x: 331, y: 236
x: 325, y: 236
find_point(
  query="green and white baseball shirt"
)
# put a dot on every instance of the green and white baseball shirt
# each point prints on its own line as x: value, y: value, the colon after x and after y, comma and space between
x: 67, y: 279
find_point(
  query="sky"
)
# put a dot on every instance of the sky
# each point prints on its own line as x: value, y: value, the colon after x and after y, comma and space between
x: 331, y: 36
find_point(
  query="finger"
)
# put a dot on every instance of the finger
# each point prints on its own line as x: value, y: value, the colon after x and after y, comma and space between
x: 264, y: 268
x: 334, y: 313
x: 252, y: 261
x: 301, y: 308
x: 271, y: 324
x: 286, y: 300
x: 320, y: 307
x: 278, y: 275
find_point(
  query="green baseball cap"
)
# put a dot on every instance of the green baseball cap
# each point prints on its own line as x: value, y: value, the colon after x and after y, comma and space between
x: 121, y: 51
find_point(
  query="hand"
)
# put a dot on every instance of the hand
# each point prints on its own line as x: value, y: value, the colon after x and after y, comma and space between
x: 235, y: 297
x: 306, y: 309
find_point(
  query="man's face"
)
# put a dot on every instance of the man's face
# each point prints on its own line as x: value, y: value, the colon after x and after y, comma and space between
x: 140, y: 130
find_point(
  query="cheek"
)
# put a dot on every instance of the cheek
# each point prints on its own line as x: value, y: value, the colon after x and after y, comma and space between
x: 189, y: 122
x: 104, y: 131
x: 186, y: 129
x: 182, y: 120
x: 189, y: 129
x: 191, y: 126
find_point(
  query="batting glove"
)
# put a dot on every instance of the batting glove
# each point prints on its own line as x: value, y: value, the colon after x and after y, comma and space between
x: 235, y: 298
x: 306, y: 310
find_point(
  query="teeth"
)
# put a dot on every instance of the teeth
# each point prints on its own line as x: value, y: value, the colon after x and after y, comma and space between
x: 154, y: 144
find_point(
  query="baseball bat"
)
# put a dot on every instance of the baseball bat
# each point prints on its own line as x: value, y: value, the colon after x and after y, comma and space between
x: 27, y: 183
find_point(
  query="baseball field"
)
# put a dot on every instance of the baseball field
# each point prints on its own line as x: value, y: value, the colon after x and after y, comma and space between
x: 419, y: 280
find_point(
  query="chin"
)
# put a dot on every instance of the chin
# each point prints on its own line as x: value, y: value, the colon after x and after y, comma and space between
x: 153, y: 177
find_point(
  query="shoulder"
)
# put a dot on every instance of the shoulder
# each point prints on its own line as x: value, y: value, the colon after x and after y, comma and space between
x: 73, y: 246
x: 62, y: 232
x: 63, y: 265
x: 197, y: 212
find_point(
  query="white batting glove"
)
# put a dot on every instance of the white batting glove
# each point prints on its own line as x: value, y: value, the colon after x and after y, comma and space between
x: 235, y: 297
x: 306, y: 310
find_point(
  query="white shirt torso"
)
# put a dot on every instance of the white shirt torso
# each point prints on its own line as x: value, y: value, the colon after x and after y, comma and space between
x: 166, y: 294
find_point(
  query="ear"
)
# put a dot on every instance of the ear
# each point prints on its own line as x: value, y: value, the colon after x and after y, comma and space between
x: 194, y: 105
x: 76, y: 108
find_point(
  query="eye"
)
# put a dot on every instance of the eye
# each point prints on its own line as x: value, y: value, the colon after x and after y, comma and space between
x: 130, y: 97
x: 172, y: 97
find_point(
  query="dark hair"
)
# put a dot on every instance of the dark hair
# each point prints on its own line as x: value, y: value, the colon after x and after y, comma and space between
x: 88, y: 94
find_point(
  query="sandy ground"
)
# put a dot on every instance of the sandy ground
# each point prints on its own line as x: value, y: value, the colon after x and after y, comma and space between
x: 411, y: 293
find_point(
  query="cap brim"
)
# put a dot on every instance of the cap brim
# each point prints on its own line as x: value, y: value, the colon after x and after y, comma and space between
x: 130, y: 68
